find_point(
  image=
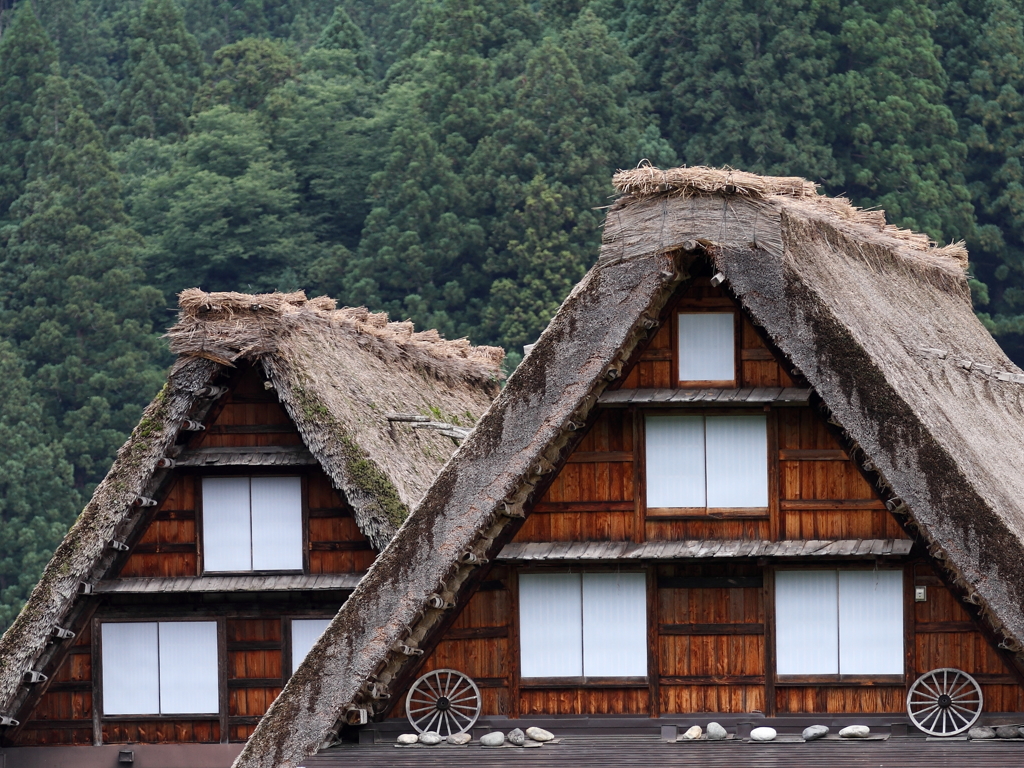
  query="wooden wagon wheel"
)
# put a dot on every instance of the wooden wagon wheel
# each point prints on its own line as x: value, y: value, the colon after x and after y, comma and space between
x: 445, y: 701
x: 944, y: 702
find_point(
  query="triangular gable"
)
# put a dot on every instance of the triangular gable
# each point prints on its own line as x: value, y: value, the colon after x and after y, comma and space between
x: 842, y: 319
x: 344, y: 378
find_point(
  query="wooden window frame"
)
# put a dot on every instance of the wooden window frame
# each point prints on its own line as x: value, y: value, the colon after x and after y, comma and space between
x: 771, y: 512
x: 838, y: 680
x: 301, y: 473
x: 287, y: 667
x: 584, y: 681
x: 737, y: 329
x: 97, y: 665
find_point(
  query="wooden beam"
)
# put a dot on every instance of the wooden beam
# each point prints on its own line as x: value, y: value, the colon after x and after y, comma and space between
x: 241, y: 429
x: 598, y: 457
x: 711, y: 629
x: 712, y: 679
x: 584, y: 682
x: 831, y: 505
x: 757, y: 354
x: 475, y: 633
x: 583, y: 506
x: 710, y: 582
x: 928, y: 627
x: 812, y: 454
x: 843, y: 681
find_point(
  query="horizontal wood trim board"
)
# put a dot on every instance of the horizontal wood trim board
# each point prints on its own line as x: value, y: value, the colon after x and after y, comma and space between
x: 38, y: 725
x: 69, y: 685
x: 584, y: 506
x: 711, y: 513
x: 928, y: 627
x: 243, y: 720
x: 492, y: 585
x: 794, y: 454
x: 759, y: 353
x: 79, y: 649
x: 338, y: 546
x: 175, y: 514
x: 475, y: 633
x: 830, y: 505
x: 708, y: 384
x: 329, y: 512
x: 711, y: 680
x: 852, y: 681
x: 656, y: 355
x: 710, y: 582
x: 254, y: 645
x: 599, y: 457
x: 160, y: 548
x: 490, y: 682
x: 927, y: 580
x: 705, y: 302
x: 987, y: 678
x: 583, y: 682
x: 711, y: 629
x: 241, y: 429
x: 255, y: 682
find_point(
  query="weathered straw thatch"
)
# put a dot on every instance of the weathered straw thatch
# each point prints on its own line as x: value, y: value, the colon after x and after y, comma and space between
x: 337, y: 372
x: 878, y: 320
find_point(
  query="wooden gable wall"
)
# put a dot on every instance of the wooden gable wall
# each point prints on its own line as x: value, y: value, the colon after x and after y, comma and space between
x: 255, y: 626
x: 710, y: 623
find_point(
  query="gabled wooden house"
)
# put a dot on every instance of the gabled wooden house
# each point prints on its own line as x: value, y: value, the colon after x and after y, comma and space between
x: 764, y: 464
x: 283, y: 453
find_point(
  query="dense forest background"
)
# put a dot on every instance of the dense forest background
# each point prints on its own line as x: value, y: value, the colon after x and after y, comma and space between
x: 442, y: 160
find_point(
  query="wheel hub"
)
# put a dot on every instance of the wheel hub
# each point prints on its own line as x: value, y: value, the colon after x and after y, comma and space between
x: 944, y: 701
x: 443, y: 704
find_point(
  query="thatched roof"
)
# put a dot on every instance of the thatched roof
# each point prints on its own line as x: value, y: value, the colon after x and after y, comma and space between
x: 877, y: 319
x: 338, y: 373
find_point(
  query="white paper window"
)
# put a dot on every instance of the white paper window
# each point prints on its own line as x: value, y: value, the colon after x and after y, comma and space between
x: 707, y: 461
x: 839, y: 622
x: 305, y: 633
x: 707, y: 348
x: 252, y: 524
x: 573, y: 625
x: 160, y: 668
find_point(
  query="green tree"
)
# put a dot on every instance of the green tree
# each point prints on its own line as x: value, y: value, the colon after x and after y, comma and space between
x: 26, y: 58
x: 341, y: 34
x: 226, y: 215
x: 37, y: 498
x: 73, y: 299
x: 245, y: 73
x: 163, y: 72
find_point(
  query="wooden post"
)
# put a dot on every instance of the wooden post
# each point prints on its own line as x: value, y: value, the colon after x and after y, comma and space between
x: 639, y: 477
x: 97, y: 684
x: 513, y: 643
x: 909, y: 627
x: 768, y: 595
x: 222, y: 676
x: 653, y: 661
x: 776, y: 524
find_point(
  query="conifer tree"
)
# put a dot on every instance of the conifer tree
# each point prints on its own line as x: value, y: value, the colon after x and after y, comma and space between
x: 74, y: 302
x: 341, y: 34
x: 163, y: 72
x: 26, y: 58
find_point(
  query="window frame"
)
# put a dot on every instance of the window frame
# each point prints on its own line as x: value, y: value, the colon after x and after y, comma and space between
x: 770, y: 512
x: 907, y: 635
x: 688, y: 308
x: 624, y: 681
x: 288, y: 666
x: 300, y: 472
x: 100, y: 716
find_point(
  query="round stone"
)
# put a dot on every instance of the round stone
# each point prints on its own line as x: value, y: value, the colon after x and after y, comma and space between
x: 493, y: 739
x: 854, y: 732
x: 981, y: 732
x: 764, y: 733
x: 517, y: 737
x: 430, y: 738
x: 693, y: 733
x: 716, y: 732
x: 459, y: 738
x: 539, y: 734
x: 408, y: 738
x: 814, y: 732
x: 1007, y: 732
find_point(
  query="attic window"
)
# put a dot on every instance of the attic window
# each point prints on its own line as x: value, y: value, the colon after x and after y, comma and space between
x: 583, y: 625
x: 707, y: 348
x: 252, y: 524
x: 697, y: 464
x: 305, y: 633
x: 839, y: 622
x: 160, y: 668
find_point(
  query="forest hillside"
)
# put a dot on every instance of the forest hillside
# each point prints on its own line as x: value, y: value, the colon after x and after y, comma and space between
x: 441, y: 160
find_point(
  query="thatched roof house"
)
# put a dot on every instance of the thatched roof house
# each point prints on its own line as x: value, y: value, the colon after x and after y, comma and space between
x: 356, y: 387
x: 878, y: 321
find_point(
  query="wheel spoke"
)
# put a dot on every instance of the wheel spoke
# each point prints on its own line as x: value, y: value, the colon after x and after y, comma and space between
x: 955, y: 691
x: 924, y: 682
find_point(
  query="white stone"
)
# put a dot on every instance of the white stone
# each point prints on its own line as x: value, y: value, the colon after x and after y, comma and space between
x: 539, y: 734
x: 430, y: 738
x: 814, y: 732
x: 854, y: 732
x: 692, y: 733
x: 494, y: 739
x: 716, y: 732
x: 408, y: 738
x: 764, y: 733
x: 459, y: 738
x: 981, y: 732
x: 517, y: 737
